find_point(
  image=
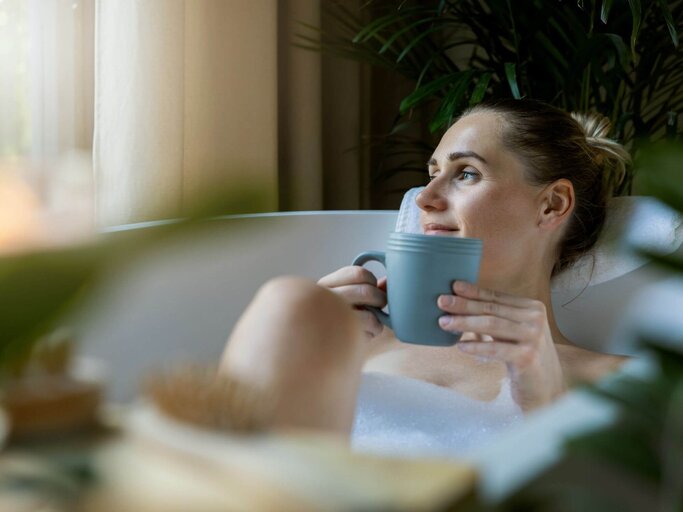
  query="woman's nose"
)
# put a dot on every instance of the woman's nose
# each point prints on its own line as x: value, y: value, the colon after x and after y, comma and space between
x: 432, y: 198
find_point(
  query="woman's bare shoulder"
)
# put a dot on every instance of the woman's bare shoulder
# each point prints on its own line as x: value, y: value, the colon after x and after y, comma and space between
x: 582, y: 366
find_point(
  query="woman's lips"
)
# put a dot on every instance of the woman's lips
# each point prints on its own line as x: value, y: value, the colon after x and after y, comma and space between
x: 438, y: 229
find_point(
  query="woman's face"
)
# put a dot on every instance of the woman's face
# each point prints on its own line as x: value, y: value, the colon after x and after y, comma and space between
x: 478, y: 189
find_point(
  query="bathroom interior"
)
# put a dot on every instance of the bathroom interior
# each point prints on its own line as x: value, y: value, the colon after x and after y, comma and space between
x: 160, y: 160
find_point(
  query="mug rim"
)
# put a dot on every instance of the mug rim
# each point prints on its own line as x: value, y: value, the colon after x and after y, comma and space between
x: 434, y: 239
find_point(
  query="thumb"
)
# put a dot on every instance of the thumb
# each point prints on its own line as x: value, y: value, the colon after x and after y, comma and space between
x: 382, y: 283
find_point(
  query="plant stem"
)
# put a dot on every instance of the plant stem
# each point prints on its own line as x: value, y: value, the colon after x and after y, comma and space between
x: 585, y: 86
x: 616, y: 110
x: 515, y: 38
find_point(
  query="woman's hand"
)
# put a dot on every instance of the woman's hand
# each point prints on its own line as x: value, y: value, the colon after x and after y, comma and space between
x: 359, y: 287
x: 518, y: 334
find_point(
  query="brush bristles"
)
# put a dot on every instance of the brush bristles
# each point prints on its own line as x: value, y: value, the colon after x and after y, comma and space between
x: 203, y: 397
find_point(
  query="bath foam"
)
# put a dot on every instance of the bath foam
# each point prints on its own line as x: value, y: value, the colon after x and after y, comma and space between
x: 406, y: 417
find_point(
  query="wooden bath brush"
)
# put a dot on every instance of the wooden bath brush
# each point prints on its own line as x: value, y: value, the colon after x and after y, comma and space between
x: 202, y: 396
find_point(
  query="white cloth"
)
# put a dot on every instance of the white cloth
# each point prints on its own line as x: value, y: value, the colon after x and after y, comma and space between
x: 408, y: 220
x: 632, y: 222
x: 402, y: 416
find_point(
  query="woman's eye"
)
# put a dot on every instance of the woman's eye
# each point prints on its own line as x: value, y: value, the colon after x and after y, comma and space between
x: 467, y: 175
x: 462, y: 175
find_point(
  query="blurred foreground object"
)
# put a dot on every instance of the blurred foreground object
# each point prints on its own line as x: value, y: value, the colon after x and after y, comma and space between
x: 43, y: 390
x: 201, y: 396
x: 153, y: 463
x: 48, y: 393
x: 170, y: 466
x: 20, y: 225
x: 46, y: 210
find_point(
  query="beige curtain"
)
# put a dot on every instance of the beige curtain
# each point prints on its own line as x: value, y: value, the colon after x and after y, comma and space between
x: 322, y: 114
x: 195, y: 94
x: 299, y: 111
x: 186, y: 96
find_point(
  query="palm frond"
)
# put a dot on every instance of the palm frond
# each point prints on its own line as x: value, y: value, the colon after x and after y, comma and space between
x: 624, y: 62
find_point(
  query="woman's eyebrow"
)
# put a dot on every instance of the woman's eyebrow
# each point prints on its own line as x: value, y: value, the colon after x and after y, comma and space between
x: 459, y: 154
x: 466, y: 154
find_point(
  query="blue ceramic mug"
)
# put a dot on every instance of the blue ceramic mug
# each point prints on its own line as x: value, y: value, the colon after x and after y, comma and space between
x: 419, y: 269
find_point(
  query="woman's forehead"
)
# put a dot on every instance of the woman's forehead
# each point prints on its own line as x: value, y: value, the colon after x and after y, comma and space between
x: 478, y: 133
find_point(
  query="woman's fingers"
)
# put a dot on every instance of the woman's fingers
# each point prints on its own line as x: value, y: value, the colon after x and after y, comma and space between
x: 362, y: 295
x: 458, y: 305
x: 472, y: 291
x: 511, y: 342
x: 521, y: 356
x: 382, y: 283
x: 356, y: 285
x: 499, y: 328
x: 348, y: 275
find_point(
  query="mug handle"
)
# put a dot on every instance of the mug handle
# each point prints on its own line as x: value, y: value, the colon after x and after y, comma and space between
x: 380, y: 257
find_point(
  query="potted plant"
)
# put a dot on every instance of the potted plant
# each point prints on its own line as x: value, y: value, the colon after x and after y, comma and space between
x: 621, y: 58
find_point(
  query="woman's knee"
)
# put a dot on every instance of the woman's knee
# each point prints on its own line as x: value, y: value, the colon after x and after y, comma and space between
x: 301, y: 303
x: 294, y: 319
x: 305, y: 342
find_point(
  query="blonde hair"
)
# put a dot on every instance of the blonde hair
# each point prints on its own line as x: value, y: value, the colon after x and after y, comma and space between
x: 611, y: 156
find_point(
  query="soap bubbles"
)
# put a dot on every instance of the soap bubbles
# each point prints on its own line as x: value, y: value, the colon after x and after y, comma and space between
x: 406, y: 417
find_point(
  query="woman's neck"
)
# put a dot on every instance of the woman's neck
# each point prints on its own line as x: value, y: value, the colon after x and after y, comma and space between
x: 555, y: 332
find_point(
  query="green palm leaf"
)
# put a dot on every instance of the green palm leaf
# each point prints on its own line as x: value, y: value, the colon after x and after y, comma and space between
x: 427, y: 91
x: 480, y: 89
x: 637, y: 13
x: 451, y: 102
x: 625, y: 66
x: 604, y: 11
x: 511, y: 75
x: 666, y: 11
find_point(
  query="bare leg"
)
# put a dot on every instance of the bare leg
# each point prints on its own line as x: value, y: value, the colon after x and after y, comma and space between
x: 305, y: 342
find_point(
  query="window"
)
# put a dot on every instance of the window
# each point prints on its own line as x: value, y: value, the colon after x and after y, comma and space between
x: 46, y: 78
x: 46, y: 120
x: 15, y: 112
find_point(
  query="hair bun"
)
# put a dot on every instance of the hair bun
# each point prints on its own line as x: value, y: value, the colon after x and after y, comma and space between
x: 610, y: 156
x: 594, y: 125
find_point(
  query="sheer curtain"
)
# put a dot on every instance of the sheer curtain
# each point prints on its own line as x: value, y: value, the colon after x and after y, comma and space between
x: 62, y: 67
x: 186, y: 101
x: 46, y: 116
x: 184, y: 96
x: 46, y: 78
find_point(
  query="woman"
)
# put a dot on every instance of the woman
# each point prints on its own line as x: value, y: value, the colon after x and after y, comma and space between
x: 532, y: 183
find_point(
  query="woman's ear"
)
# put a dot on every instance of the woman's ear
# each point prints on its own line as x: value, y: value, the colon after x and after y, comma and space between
x: 557, y: 204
